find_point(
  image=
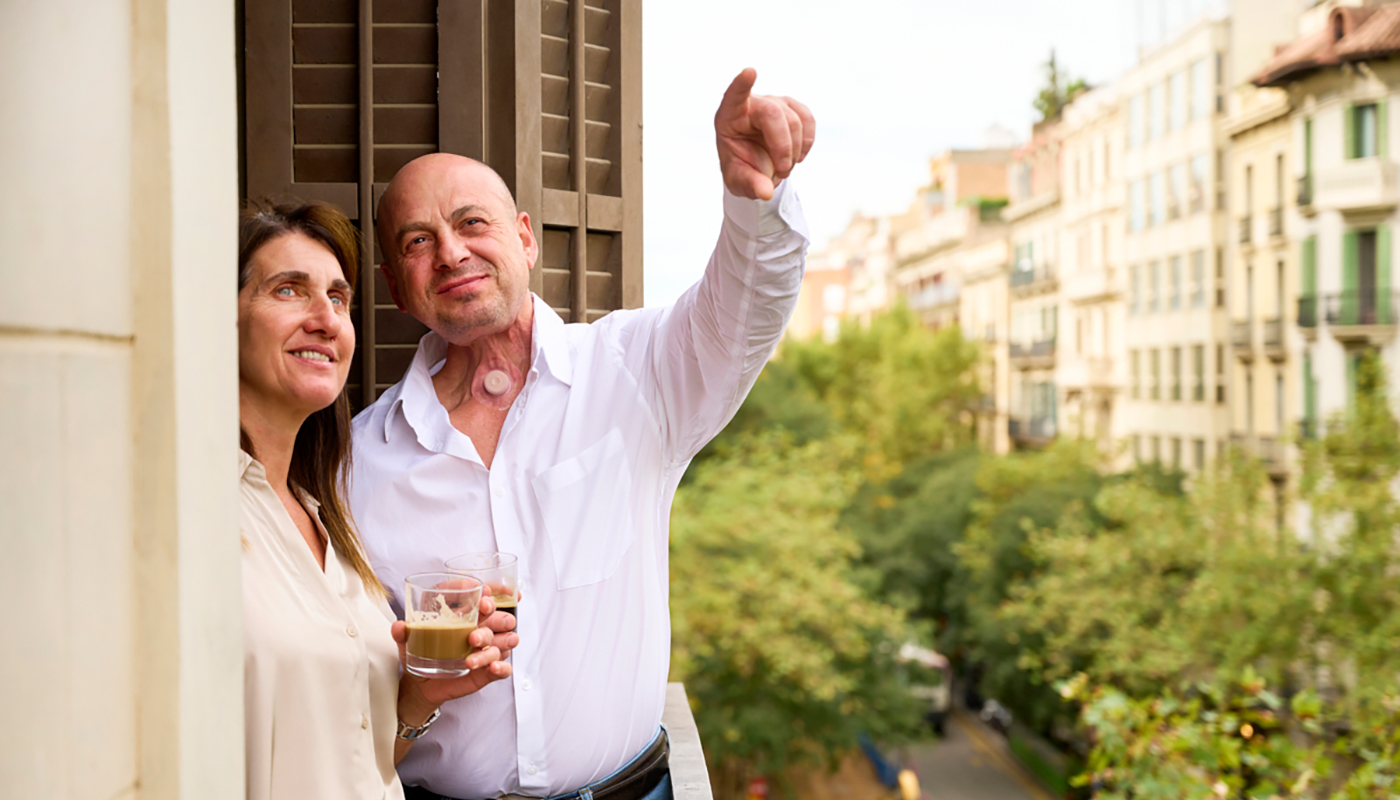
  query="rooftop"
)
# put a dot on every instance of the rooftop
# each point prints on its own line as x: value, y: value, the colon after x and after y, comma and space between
x: 1351, y: 34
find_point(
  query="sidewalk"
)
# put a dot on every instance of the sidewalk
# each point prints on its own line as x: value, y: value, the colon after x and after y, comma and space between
x: 971, y: 763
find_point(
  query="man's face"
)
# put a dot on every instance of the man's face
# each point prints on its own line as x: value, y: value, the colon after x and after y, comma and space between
x: 458, y: 255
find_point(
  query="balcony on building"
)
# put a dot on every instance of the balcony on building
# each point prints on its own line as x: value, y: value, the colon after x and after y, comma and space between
x: 1275, y: 223
x: 1267, y: 450
x: 1031, y: 431
x: 1091, y: 285
x: 1246, y: 229
x: 1092, y: 372
x: 1242, y: 339
x: 1359, y: 184
x: 1029, y: 279
x: 1273, y: 339
x: 1361, y: 315
x: 1033, y: 355
x: 1307, y: 315
x: 1305, y: 192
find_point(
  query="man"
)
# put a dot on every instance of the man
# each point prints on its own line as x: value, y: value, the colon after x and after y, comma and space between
x: 563, y: 444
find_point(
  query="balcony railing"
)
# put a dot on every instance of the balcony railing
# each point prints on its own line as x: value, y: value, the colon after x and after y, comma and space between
x: 1305, y: 190
x: 1033, y: 429
x: 1040, y: 349
x: 1268, y: 450
x: 1307, y: 311
x: 1273, y: 337
x: 1276, y: 222
x: 1360, y: 307
x: 1246, y: 229
x: 1307, y: 429
x: 1242, y: 334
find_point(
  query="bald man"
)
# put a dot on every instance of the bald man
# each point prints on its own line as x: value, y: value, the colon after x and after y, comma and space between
x: 563, y: 444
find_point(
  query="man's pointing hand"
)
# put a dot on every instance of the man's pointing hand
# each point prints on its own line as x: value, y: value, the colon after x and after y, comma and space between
x: 760, y: 138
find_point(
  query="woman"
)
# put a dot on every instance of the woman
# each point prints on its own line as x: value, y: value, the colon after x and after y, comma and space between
x: 325, y: 711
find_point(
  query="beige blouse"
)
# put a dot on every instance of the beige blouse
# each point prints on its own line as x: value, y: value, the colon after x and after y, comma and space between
x: 320, y: 668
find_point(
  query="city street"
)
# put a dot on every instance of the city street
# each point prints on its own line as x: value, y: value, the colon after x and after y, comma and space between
x: 971, y: 763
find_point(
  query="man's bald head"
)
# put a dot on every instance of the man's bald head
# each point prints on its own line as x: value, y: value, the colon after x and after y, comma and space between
x: 423, y: 176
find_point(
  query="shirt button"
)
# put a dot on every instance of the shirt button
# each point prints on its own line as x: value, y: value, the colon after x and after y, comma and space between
x: 364, y: 722
x: 525, y: 684
x: 350, y: 630
x: 499, y: 492
x: 533, y: 771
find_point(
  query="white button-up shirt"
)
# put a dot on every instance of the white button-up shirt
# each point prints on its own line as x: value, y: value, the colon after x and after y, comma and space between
x: 320, y: 667
x: 580, y: 489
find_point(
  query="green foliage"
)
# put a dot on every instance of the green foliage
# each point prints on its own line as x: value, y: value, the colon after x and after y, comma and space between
x: 784, y: 656
x: 1059, y: 91
x: 903, y: 389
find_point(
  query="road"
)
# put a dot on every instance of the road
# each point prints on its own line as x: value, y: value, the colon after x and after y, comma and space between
x: 971, y: 763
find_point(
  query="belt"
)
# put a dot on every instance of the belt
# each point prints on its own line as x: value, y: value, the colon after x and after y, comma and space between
x: 632, y: 781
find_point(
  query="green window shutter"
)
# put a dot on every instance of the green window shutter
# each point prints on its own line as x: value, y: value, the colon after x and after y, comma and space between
x: 1309, y: 259
x: 1309, y: 390
x: 1352, y: 359
x: 1307, y: 146
x: 1350, y: 259
x: 1381, y: 127
x: 1349, y: 121
x: 1383, y: 275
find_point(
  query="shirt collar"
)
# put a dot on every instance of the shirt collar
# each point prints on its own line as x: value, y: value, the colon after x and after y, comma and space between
x: 549, y: 351
x: 250, y: 469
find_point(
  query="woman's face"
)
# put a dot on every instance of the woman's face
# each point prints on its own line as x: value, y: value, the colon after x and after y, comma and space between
x: 295, y: 340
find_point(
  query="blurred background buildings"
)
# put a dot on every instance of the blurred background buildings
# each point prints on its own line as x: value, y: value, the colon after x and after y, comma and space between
x: 1190, y: 257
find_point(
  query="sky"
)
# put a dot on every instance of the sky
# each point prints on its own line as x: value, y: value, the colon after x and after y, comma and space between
x: 890, y: 82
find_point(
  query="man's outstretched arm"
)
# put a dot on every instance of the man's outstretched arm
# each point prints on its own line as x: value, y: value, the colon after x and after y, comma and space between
x: 711, y: 345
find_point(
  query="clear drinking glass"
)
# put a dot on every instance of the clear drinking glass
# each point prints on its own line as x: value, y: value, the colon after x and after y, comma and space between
x: 497, y: 571
x: 440, y: 610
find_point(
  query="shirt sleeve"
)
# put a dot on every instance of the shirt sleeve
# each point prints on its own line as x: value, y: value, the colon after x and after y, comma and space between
x: 710, y: 346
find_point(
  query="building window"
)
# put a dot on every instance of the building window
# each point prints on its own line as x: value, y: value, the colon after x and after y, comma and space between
x: 1135, y: 368
x: 1219, y: 277
x: 1176, y: 452
x: 1176, y: 101
x: 1198, y: 279
x: 1362, y: 134
x: 1137, y: 447
x: 1175, y: 277
x: 1198, y: 448
x: 1220, y: 373
x: 1176, y: 191
x: 1135, y: 121
x: 1156, y: 449
x: 1198, y: 372
x: 1154, y: 374
x: 1153, y: 284
x: 1137, y: 206
x: 1198, y: 184
x: 1134, y: 289
x: 1155, y: 111
x: 1220, y: 198
x: 1155, y: 197
x: 1176, y: 373
x: 1200, y: 89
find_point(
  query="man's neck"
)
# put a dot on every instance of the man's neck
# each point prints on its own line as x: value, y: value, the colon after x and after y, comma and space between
x: 453, y: 383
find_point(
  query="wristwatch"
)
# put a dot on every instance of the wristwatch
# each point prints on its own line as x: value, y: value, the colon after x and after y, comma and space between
x: 409, y: 734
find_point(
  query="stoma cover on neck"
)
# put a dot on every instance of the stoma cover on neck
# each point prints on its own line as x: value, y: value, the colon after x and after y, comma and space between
x: 497, y: 380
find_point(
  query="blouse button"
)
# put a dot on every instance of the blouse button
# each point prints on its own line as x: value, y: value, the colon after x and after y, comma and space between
x: 350, y: 629
x: 364, y: 722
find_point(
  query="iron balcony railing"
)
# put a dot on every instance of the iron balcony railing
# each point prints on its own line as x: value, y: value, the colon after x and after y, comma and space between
x: 1361, y: 307
x: 1023, y: 277
x: 1307, y: 311
x: 1307, y: 429
x: 1276, y: 222
x: 1273, y: 334
x: 1044, y: 347
x: 1242, y: 334
x: 1305, y: 190
x: 1034, y: 428
x: 1246, y: 228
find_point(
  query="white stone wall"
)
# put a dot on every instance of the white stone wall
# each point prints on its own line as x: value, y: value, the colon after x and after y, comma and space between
x: 122, y: 671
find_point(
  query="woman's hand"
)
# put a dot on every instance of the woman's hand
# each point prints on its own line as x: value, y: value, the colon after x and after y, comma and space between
x: 491, y: 644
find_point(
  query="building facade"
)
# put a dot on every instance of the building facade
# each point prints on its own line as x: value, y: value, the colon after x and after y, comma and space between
x: 1174, y: 163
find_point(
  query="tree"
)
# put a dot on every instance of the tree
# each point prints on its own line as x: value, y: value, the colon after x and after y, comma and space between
x: 785, y: 656
x: 1059, y: 90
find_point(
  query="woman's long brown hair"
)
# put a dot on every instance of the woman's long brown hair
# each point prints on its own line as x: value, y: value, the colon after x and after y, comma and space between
x: 321, y: 456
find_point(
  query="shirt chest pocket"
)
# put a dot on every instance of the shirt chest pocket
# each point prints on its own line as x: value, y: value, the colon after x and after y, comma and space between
x: 586, y: 503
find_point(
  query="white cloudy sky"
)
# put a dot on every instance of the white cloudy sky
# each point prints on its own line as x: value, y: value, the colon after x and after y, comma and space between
x: 891, y: 82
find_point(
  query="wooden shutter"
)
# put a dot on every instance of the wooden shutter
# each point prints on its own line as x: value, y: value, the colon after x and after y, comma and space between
x: 1350, y: 269
x: 339, y: 94
x: 1382, y: 127
x: 1382, y: 300
x: 1308, y: 256
x: 1350, y: 137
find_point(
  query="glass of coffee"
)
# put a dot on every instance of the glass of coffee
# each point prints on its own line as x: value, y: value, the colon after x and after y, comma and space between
x: 497, y: 571
x: 440, y: 610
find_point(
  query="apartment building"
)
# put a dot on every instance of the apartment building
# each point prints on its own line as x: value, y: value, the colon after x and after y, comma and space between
x: 1033, y: 215
x: 1090, y: 368
x: 1339, y: 76
x: 1176, y: 333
